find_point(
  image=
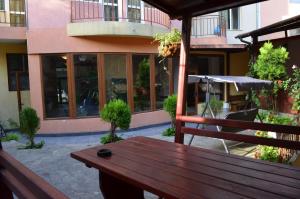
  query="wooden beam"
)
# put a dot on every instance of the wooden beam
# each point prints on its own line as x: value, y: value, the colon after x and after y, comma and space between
x: 18, y: 89
x: 183, y: 75
x: 152, y: 82
x: 129, y: 76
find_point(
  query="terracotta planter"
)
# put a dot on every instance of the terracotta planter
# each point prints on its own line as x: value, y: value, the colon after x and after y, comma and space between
x: 170, y: 50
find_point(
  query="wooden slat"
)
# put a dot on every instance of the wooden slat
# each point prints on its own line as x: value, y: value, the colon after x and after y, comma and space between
x: 242, y: 124
x: 177, y: 171
x: 31, y: 181
x: 242, y: 138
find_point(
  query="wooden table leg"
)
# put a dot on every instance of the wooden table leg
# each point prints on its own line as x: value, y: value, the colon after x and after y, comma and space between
x: 113, y: 188
x: 5, y: 192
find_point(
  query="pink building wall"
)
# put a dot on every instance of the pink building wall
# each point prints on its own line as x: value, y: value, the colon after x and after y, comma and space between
x: 47, y: 33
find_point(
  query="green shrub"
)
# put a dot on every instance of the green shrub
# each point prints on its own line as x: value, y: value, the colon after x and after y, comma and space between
x: 270, y: 64
x: 118, y: 114
x: 169, y: 105
x: 169, y: 132
x: 10, y: 137
x: 215, y: 104
x: 109, y: 139
x: 29, y: 125
x: 269, y: 153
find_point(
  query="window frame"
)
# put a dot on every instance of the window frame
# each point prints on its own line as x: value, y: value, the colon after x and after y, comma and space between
x: 230, y: 19
x: 3, y: 5
x: 102, y: 82
x: 20, y: 71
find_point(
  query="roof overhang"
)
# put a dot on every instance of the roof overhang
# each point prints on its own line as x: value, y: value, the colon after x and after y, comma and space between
x: 284, y: 25
x: 179, y: 8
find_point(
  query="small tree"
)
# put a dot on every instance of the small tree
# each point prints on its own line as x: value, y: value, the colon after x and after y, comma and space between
x: 117, y: 112
x: 270, y: 65
x: 29, y: 125
x: 170, y: 106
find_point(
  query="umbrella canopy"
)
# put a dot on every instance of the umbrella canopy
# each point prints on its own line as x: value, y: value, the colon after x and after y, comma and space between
x: 241, y: 83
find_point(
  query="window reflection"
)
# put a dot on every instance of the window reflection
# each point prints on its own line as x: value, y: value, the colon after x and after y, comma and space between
x: 161, y: 81
x: 56, y: 97
x: 86, y: 85
x: 141, y: 79
x: 115, y: 76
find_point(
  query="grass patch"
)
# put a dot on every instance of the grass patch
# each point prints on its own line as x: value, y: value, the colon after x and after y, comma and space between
x: 34, y: 146
x: 169, y: 132
x: 10, y: 137
x: 110, y: 138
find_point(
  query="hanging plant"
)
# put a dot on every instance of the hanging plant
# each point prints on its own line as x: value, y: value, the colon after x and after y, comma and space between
x: 169, y: 43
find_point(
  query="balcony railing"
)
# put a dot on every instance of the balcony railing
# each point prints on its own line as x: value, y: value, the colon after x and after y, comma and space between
x: 211, y: 25
x: 13, y: 14
x: 135, y: 11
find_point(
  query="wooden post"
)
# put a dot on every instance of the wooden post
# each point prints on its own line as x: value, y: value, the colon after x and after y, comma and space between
x: 18, y: 89
x: 183, y: 75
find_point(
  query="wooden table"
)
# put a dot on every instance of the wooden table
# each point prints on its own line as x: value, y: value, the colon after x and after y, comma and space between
x: 173, y: 170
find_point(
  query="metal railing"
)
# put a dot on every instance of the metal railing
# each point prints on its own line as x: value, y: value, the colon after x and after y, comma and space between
x: 111, y: 10
x: 211, y: 25
x: 13, y: 13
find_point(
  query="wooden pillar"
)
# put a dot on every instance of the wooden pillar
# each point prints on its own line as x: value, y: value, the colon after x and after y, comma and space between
x: 183, y: 75
x: 18, y: 89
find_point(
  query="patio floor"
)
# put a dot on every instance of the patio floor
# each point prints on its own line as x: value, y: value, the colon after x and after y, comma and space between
x: 54, y: 164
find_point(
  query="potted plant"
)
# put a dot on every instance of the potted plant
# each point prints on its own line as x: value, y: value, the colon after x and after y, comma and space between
x: 169, y: 43
x: 169, y: 105
x: 118, y: 114
x: 270, y: 65
x: 29, y: 125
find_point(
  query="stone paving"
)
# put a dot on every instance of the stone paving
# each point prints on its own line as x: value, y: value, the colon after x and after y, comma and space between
x: 54, y: 164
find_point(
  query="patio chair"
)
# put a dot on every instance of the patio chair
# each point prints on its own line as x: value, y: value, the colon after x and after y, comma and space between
x: 245, y: 115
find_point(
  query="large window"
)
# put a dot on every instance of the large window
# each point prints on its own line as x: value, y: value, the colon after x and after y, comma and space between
x: 17, y: 12
x: 141, y: 79
x: 110, y: 10
x: 233, y: 18
x: 2, y: 5
x: 55, y: 81
x: 115, y: 77
x: 162, y: 75
x: 134, y: 11
x: 86, y: 85
x: 17, y: 63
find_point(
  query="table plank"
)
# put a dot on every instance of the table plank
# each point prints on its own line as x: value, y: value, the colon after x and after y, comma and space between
x: 177, y: 171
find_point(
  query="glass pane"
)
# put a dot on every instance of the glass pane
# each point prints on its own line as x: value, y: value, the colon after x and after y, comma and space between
x: 56, y: 99
x: 134, y: 15
x: 2, y: 5
x: 17, y: 62
x: 235, y: 18
x: 161, y: 81
x: 115, y: 77
x: 17, y: 20
x: 86, y: 85
x: 17, y: 5
x: 141, y: 79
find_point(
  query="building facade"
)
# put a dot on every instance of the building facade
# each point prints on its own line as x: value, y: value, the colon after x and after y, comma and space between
x: 82, y: 53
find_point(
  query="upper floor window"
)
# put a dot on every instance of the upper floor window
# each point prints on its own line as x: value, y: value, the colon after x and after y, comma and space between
x: 110, y: 10
x: 233, y: 19
x: 2, y: 5
x: 17, y: 63
x: 294, y: 1
x: 134, y: 11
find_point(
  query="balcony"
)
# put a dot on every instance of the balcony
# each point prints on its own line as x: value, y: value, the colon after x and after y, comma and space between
x: 12, y: 20
x: 116, y: 18
x: 208, y: 29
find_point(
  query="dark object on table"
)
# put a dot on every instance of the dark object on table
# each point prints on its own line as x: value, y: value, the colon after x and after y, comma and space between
x: 104, y: 153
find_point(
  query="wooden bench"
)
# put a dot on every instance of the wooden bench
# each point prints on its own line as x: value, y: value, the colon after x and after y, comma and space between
x: 172, y: 170
x: 16, y: 179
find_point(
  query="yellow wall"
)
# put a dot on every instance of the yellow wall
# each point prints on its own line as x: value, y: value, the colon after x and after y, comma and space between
x: 238, y: 66
x: 8, y: 99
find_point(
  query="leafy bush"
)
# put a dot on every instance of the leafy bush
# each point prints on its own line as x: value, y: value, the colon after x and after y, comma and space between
x: 268, y: 153
x: 29, y: 125
x: 117, y: 112
x: 10, y: 137
x: 215, y: 104
x: 169, y: 105
x: 109, y: 139
x: 293, y: 86
x: 169, y: 132
x: 270, y: 64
